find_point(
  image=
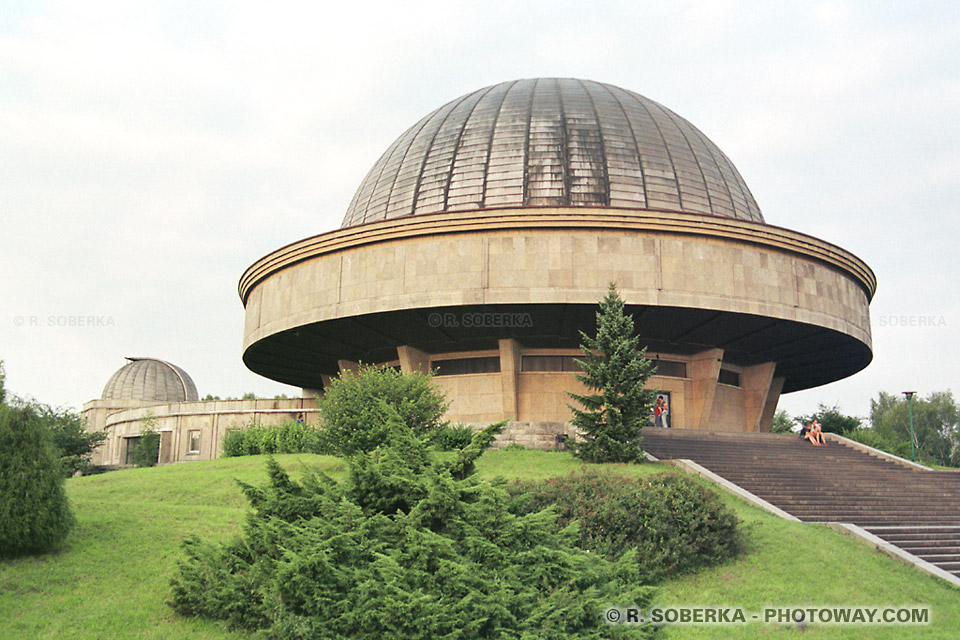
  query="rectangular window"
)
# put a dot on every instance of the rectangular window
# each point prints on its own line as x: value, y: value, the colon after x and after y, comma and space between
x: 194, y: 439
x: 548, y: 363
x: 729, y: 377
x: 462, y: 366
x: 671, y: 369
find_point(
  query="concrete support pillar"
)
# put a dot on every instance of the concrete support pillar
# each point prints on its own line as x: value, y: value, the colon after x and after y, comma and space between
x: 703, y: 371
x: 755, y: 382
x: 509, y: 382
x: 770, y: 407
x: 348, y: 365
x: 413, y: 360
x: 122, y: 450
x: 166, y: 448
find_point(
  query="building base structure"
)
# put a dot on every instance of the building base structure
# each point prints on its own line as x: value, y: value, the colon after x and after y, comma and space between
x: 733, y: 312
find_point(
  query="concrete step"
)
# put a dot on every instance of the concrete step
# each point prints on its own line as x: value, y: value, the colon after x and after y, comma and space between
x: 907, y: 528
x: 925, y: 552
x: 932, y: 538
x: 938, y: 558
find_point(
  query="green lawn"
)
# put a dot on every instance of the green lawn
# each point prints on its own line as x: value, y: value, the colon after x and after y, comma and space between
x: 112, y: 579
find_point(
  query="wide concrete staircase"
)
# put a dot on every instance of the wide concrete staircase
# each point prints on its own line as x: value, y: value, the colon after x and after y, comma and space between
x: 916, y: 510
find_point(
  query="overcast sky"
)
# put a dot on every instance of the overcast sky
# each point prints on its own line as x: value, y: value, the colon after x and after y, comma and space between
x: 151, y: 151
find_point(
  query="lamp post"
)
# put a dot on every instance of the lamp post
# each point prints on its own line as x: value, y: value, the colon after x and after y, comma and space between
x: 913, y: 447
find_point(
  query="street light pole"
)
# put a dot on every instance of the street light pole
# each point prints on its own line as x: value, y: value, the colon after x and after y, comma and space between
x: 913, y: 447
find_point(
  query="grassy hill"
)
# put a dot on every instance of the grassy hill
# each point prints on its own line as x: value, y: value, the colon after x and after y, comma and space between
x: 112, y: 579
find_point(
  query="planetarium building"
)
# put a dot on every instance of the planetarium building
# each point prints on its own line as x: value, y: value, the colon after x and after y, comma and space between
x: 481, y: 241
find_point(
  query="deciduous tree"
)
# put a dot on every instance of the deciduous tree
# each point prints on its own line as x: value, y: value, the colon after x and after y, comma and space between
x: 935, y: 424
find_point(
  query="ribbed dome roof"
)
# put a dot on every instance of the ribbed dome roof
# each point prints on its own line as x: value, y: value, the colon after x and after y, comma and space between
x: 150, y: 379
x: 552, y: 142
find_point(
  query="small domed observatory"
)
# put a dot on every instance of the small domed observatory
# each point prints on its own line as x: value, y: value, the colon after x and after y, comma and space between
x: 155, y: 394
x: 480, y: 242
x: 142, y: 382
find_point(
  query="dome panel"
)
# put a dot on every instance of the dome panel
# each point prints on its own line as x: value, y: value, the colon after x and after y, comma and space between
x: 149, y: 379
x: 551, y: 142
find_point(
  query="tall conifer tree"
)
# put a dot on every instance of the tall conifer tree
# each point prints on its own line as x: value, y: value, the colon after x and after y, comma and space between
x: 615, y: 369
x: 35, y: 515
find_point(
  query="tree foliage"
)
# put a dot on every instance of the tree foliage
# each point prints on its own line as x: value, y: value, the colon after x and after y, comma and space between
x: 832, y: 420
x: 73, y: 444
x: 357, y: 407
x: 147, y: 453
x: 782, y: 422
x: 614, y: 368
x: 935, y: 422
x: 35, y: 516
x: 409, y: 546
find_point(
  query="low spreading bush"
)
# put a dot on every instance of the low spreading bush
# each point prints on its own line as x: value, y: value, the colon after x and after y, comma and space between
x: 673, y: 523
x: 409, y: 546
x: 255, y: 439
x: 449, y: 437
x: 35, y: 516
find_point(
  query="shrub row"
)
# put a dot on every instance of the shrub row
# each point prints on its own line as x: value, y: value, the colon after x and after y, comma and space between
x: 873, y: 439
x: 290, y: 437
x: 674, y: 523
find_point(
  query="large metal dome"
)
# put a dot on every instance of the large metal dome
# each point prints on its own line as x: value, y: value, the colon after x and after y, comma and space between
x: 550, y: 142
x: 151, y: 380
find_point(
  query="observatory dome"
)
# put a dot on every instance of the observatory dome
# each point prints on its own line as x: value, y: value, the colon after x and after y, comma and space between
x: 150, y: 379
x: 551, y: 142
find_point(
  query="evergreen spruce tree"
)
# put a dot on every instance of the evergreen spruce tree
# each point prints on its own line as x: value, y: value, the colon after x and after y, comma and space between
x: 610, y: 419
x: 34, y: 513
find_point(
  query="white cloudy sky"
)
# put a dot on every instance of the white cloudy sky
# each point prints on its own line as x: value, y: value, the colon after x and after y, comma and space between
x: 151, y: 151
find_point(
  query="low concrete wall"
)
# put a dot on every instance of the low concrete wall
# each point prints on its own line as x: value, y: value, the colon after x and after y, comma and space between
x: 531, y: 435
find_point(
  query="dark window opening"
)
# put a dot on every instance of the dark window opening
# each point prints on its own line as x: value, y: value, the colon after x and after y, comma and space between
x: 729, y: 377
x: 548, y: 363
x: 463, y: 366
x: 671, y: 368
x: 194, y: 440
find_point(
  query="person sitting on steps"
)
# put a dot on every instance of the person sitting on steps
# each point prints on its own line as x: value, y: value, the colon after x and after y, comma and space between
x: 813, y: 433
x: 817, y: 431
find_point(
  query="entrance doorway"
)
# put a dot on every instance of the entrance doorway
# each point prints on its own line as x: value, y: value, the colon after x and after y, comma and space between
x: 665, y: 412
x: 131, y: 449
